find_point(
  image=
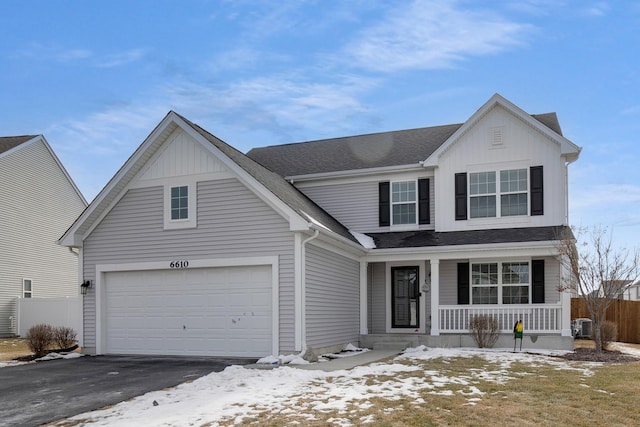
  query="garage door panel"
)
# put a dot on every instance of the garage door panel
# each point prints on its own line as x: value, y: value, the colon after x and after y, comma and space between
x: 209, y: 311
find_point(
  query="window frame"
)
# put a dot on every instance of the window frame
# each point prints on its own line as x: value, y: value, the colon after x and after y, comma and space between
x: 500, y: 283
x: 498, y: 193
x: 180, y: 223
x: 24, y: 291
x: 413, y: 203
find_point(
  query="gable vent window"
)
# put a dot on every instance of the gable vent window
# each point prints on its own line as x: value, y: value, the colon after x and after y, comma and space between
x: 495, y: 135
x: 180, y: 202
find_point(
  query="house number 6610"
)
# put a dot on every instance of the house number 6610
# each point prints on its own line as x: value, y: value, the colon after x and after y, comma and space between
x: 179, y: 264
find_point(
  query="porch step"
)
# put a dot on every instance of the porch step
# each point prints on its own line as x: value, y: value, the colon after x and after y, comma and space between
x: 391, y: 346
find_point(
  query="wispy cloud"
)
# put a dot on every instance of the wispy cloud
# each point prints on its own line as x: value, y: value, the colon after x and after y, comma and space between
x: 120, y: 58
x: 606, y: 195
x: 596, y: 9
x: 57, y: 53
x: 433, y: 34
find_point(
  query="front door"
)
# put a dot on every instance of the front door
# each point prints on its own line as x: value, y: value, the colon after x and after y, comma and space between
x: 405, y: 293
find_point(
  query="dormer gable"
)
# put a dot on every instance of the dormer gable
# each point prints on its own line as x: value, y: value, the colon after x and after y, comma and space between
x: 543, y: 124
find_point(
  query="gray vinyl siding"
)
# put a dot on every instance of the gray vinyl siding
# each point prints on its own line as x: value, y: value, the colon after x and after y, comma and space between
x: 377, y: 298
x: 449, y: 282
x: 354, y: 205
x: 332, y: 298
x: 551, y: 280
x: 232, y: 223
x: 39, y: 203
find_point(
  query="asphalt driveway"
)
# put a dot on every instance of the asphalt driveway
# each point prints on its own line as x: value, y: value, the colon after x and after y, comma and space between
x: 42, y: 392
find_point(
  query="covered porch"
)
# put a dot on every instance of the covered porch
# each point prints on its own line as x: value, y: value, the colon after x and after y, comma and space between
x: 429, y: 298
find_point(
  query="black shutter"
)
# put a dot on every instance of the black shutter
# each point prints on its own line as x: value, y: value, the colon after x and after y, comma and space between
x: 424, y: 214
x: 384, y: 207
x: 463, y: 283
x: 537, y: 265
x: 537, y: 193
x: 461, y: 195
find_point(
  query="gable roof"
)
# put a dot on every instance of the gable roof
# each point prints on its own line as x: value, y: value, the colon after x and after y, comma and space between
x: 9, y: 142
x: 280, y: 188
x: 306, y: 210
x: 546, y: 124
x: 377, y: 150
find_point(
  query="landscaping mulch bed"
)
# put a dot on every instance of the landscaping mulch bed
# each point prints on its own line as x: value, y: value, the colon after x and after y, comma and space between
x: 606, y: 356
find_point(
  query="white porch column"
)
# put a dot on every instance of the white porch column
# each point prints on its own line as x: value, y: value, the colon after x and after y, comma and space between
x: 565, y: 301
x: 364, y: 298
x: 435, y: 296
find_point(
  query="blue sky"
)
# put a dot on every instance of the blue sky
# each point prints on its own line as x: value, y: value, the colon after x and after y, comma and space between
x: 96, y: 77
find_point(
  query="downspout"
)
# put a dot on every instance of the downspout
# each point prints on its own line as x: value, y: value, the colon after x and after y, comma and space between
x: 303, y: 287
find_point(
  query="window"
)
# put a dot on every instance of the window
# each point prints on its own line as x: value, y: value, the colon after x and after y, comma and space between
x: 515, y: 281
x: 27, y: 290
x: 513, y: 191
x: 511, y: 285
x: 482, y: 191
x: 484, y: 281
x: 404, y: 202
x: 180, y: 202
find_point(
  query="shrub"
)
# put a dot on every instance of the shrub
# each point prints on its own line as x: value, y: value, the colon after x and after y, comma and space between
x: 484, y: 330
x: 64, y: 337
x: 39, y: 339
x: 608, y: 333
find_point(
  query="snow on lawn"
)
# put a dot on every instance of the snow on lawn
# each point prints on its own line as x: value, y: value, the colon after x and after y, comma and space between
x: 239, y: 393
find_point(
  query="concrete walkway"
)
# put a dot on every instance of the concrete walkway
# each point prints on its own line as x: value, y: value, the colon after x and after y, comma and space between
x: 350, y: 361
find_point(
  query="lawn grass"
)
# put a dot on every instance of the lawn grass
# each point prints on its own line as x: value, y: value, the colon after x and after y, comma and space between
x: 546, y: 394
x: 13, y: 347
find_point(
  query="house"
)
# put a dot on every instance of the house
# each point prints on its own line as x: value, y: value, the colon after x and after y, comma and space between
x: 395, y: 238
x: 39, y: 202
x: 632, y: 292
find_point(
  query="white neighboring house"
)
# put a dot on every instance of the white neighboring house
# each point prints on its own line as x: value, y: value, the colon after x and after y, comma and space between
x: 396, y: 238
x: 632, y: 293
x: 39, y: 201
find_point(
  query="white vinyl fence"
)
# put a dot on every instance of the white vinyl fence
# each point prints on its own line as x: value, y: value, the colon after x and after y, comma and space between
x: 63, y: 311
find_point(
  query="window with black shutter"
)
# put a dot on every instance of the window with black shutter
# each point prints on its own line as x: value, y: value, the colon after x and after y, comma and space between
x: 424, y: 209
x: 463, y: 283
x: 537, y: 265
x: 537, y: 193
x: 461, y: 195
x: 384, y: 206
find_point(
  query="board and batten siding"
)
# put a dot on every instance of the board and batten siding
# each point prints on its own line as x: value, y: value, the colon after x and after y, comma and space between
x: 39, y: 204
x: 521, y: 147
x: 232, y: 223
x: 332, y: 298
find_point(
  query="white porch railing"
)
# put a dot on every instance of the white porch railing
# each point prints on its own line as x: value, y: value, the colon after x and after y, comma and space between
x: 537, y: 318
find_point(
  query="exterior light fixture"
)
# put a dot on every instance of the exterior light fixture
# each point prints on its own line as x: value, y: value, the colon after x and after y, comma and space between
x: 84, y: 286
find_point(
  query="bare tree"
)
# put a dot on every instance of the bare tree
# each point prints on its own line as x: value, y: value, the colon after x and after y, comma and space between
x: 599, y: 272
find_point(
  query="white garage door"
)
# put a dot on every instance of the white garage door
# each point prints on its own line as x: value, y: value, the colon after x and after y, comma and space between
x: 221, y: 311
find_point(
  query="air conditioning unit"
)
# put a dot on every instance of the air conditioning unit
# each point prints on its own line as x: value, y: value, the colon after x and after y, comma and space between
x: 581, y: 328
